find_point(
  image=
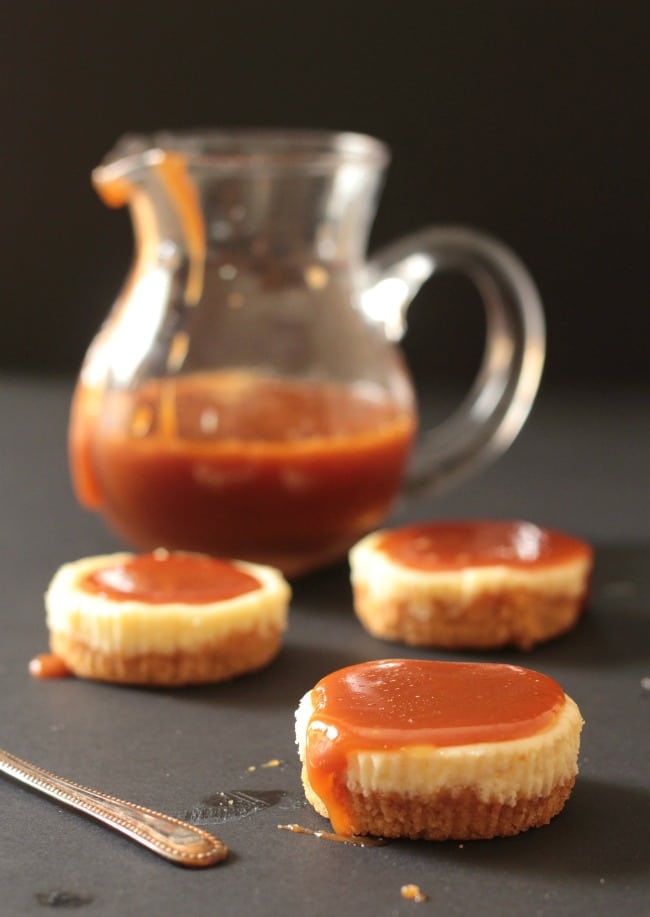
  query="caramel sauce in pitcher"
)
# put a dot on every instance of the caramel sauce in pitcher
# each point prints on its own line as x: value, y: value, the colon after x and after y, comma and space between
x: 278, y: 471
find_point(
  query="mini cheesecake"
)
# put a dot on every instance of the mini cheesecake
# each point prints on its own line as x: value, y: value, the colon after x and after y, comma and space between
x: 437, y: 750
x: 165, y: 618
x: 470, y: 584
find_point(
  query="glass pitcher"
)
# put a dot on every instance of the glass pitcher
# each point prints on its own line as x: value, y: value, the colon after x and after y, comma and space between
x: 245, y: 396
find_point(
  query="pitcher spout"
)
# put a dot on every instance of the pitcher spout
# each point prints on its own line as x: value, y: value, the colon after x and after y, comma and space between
x: 164, y: 201
x: 124, y: 168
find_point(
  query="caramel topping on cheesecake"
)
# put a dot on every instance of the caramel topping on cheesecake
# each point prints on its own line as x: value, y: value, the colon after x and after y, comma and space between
x: 438, y: 546
x: 163, y: 577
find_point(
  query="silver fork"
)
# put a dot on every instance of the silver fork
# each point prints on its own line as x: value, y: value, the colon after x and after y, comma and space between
x: 169, y: 837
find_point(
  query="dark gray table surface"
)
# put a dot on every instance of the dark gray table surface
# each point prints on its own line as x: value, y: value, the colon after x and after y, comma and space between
x: 582, y: 464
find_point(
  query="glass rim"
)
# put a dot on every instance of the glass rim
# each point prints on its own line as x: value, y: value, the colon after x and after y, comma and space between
x: 233, y: 149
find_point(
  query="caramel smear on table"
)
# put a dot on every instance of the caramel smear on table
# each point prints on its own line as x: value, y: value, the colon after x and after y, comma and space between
x: 47, y: 665
x: 339, y: 838
x: 274, y: 762
x: 413, y: 893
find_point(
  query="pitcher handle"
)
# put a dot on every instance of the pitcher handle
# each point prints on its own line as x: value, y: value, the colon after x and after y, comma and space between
x: 498, y: 403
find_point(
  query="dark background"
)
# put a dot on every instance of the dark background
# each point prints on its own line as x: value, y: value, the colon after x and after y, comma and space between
x: 528, y: 119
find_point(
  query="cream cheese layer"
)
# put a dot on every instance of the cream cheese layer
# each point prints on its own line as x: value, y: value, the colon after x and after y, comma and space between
x: 132, y: 627
x: 500, y: 771
x: 386, y: 579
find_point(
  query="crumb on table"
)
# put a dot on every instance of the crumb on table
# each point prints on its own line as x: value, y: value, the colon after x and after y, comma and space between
x: 412, y: 893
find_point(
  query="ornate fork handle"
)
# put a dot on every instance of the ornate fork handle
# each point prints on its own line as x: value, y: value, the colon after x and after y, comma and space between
x: 169, y: 837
